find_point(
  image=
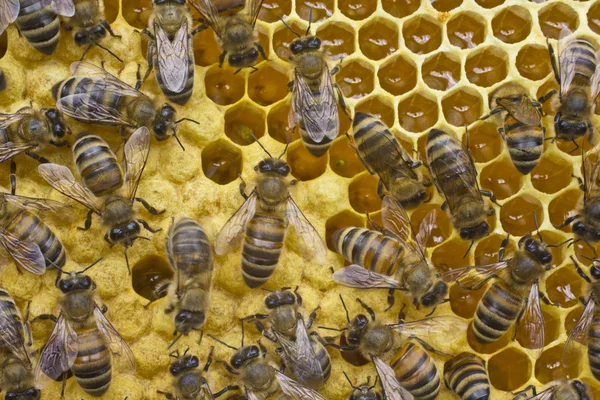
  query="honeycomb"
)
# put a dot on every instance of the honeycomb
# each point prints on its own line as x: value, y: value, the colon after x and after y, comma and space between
x: 416, y: 65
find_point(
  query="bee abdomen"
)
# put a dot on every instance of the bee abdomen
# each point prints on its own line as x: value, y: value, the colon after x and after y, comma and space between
x: 190, y: 246
x: 594, y: 346
x: 466, y: 376
x: 93, y: 366
x: 95, y: 90
x: 323, y: 357
x: 39, y: 24
x: 97, y: 164
x: 317, y: 149
x: 496, y: 313
x: 12, y: 317
x: 416, y: 372
x: 525, y: 144
x: 263, y: 243
x: 184, y: 95
x: 368, y: 248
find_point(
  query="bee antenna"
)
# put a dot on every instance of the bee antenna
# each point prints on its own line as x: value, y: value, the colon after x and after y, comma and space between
x: 242, y: 323
x: 177, y: 138
x: 349, y: 381
x: 85, y: 52
x: 345, y: 309
x: 107, y: 50
x: 284, y: 150
x: 374, y: 384
x: 174, y: 353
x: 260, y: 144
x: 561, y: 243
x: 175, y: 340
x: 332, y: 329
x: 289, y: 27
x: 220, y: 341
x: 55, y: 266
x: 309, y: 21
x: 537, y: 227
x: 90, y: 266
x: 469, y: 249
x: 267, y: 290
x: 127, y: 259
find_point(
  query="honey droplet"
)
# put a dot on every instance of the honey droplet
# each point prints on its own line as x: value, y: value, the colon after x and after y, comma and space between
x: 501, y: 178
x: 441, y: 71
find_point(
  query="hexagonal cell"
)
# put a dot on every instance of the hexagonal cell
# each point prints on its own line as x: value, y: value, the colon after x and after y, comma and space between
x: 400, y: 8
x: 488, y: 249
x: 445, y: 5
x: 488, y: 348
x: 273, y: 10
x: 564, y: 287
x: 564, y: 206
x: 417, y: 113
x: 206, y: 48
x: 343, y: 158
x: 585, y: 252
x: 504, y: 378
x: 487, y: 66
x: 422, y: 34
x: 572, y: 318
x: 362, y: 193
x: 268, y: 84
x: 463, y: 302
x: 516, y: 215
x: 485, y: 143
x: 378, y: 106
x: 450, y: 255
x: 283, y: 37
x: 552, y: 328
x: 243, y: 123
x: 442, y: 227
x: 223, y: 86
x: 552, y: 174
x: 489, y: 3
x: 512, y: 24
x: 341, y: 220
x: 462, y: 107
x: 320, y: 10
x: 355, y: 79
x: 304, y: 165
x: 148, y: 274
x: 278, y: 124
x: 556, y: 16
x: 441, y: 71
x: 337, y: 38
x: 221, y: 162
x: 533, y: 62
x: 357, y: 9
x: 466, y: 30
x: 397, y: 75
x: 378, y: 38
x: 137, y: 12
x: 549, y: 366
x: 111, y: 10
x: 501, y: 178
x: 593, y: 17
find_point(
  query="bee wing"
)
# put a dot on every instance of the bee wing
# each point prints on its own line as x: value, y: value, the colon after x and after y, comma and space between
x: 10, y: 149
x: 395, y: 219
x: 389, y: 383
x: 59, y: 353
x: 62, y: 180
x: 136, y: 154
x: 578, y: 337
x: 9, y: 11
x: 35, y: 204
x: 296, y: 389
x: 532, y: 322
x: 595, y: 79
x: 446, y: 326
x: 483, y: 273
x: 567, y: 59
x: 313, y: 245
x: 7, y: 120
x: 358, y: 277
x: 591, y: 170
x: 11, y: 330
x: 82, y: 106
x: 26, y: 254
x: 547, y: 394
x: 230, y: 235
x: 115, y: 342
x: 103, y: 80
x: 173, y: 57
x: 250, y: 395
x: 209, y: 13
x: 66, y: 8
x: 254, y: 10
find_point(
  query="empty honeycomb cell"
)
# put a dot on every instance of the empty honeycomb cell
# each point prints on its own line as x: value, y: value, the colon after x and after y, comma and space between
x: 304, y: 165
x: 445, y: 5
x: 516, y: 215
x: 556, y: 16
x: 362, y: 193
x: 593, y: 17
x: 485, y: 143
x: 442, y: 227
x: 441, y: 71
x: 273, y: 10
x: 512, y: 378
x: 397, y: 75
x: 487, y: 66
x: 533, y: 62
x: 417, y: 113
x: 488, y: 249
x: 244, y: 123
x: 564, y: 206
x: 150, y: 273
x: 564, y: 286
x: 223, y: 86
x: 488, y: 348
x: 357, y: 9
x: 137, y: 12
x: 341, y: 220
x: 501, y: 178
x: 512, y: 24
x: 269, y: 84
x: 462, y: 107
x: 378, y: 38
x: 111, y: 10
x: 549, y: 366
x: 355, y: 79
x: 378, y: 106
x: 463, y: 301
x: 283, y: 37
x: 206, y: 49
x: 321, y: 10
x: 422, y: 34
x: 337, y: 38
x: 450, y: 255
x: 551, y: 174
x: 278, y: 124
x: 221, y: 162
x: 489, y: 3
x: 343, y: 158
x: 400, y: 8
x: 466, y: 30
x: 572, y: 317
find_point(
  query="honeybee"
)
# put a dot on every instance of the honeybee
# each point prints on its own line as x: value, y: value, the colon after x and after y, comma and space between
x: 558, y: 390
x: 188, y: 381
x: 262, y: 222
x: 381, y: 153
x: 392, y: 257
x: 83, y: 340
x: 28, y: 131
x: 364, y: 391
x: 579, y: 81
x: 233, y: 22
x: 115, y: 210
x: 455, y: 177
x: 37, y: 20
x: 466, y: 375
x: 94, y: 96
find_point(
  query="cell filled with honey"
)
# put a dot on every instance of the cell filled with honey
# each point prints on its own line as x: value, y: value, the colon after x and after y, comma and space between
x: 338, y: 39
x: 556, y: 241
x: 442, y: 227
x: 466, y: 30
x: 304, y: 165
x: 450, y: 255
x: 111, y: 10
x: 343, y: 158
x: 378, y: 38
x: 441, y: 71
x: 463, y: 302
x: 489, y: 3
x: 552, y: 174
x: 585, y: 252
x: 149, y: 274
x: 564, y: 286
x: 564, y: 206
x: 552, y: 324
x: 501, y: 178
x: 221, y: 162
x: 400, y: 8
x: 417, y: 113
x: 341, y: 220
x: 206, y: 49
x: 357, y: 9
x: 422, y: 34
x: 487, y: 250
x: 269, y: 84
x: 593, y: 17
x: 509, y: 379
x: 278, y: 124
x: 486, y: 66
x: 462, y: 107
x: 273, y: 10
x: 445, y: 5
x: 516, y: 215
x: 223, y: 86
x: 320, y: 10
x: 556, y: 16
x: 549, y: 366
x: 533, y: 62
x: 355, y: 79
x: 512, y: 24
x: 3, y: 44
x: 378, y: 106
x: 362, y: 193
x: 572, y: 317
x: 137, y: 12
x: 484, y: 142
x: 244, y: 123
x: 398, y: 75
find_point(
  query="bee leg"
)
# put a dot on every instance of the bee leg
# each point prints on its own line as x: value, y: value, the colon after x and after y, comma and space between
x: 13, y: 177
x: 290, y: 85
x: 106, y: 26
x: 261, y: 50
x: 209, y: 360
x: 429, y: 347
x: 337, y: 68
x: 45, y: 317
x: 401, y: 315
x: 342, y: 347
x: 148, y: 227
x: 222, y: 58
x: 228, y: 367
x: 503, y: 247
x: 199, y: 28
x: 27, y: 325
x: 492, y: 112
x: 546, y: 300
x: 545, y: 98
x: 580, y: 271
x: 158, y: 292
x: 340, y: 99
x: 243, y: 187
x: 567, y: 221
x: 167, y: 395
x: 367, y: 308
x: 390, y: 299
x: 576, y: 146
x: 312, y: 317
x: 64, y: 384
x: 380, y: 189
x: 88, y: 221
x: 138, y: 78
x: 553, y: 63
x: 37, y: 157
x: 444, y: 206
x: 148, y: 207
x: 491, y: 196
x: 149, y: 60
x: 225, y: 390
x: 107, y: 240
x: 521, y: 394
x: 580, y: 181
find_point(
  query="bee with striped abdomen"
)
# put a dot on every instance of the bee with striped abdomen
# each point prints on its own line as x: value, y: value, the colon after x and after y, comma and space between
x: 558, y: 390
x: 188, y: 379
x: 101, y: 178
x: 365, y: 391
x: 83, y: 340
x: 466, y: 375
x: 455, y: 177
x: 262, y: 222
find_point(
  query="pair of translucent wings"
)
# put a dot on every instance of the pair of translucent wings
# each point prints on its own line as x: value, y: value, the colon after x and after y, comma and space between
x: 548, y: 393
x: 230, y: 236
x: 60, y: 352
x: 577, y: 341
x: 27, y: 254
x: 591, y: 172
x: 11, y: 330
x: 211, y: 17
x: 173, y: 57
x: 291, y: 388
x: 570, y: 56
x: 136, y: 153
x: 9, y: 10
x: 11, y: 149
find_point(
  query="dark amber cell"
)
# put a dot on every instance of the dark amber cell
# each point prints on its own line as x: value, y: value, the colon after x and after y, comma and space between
x: 533, y: 62
x: 206, y: 48
x: 486, y: 66
x: 488, y: 348
x: 422, y: 34
x: 442, y: 227
x: 223, y: 86
x: 417, y: 113
x: 379, y: 107
x: 463, y: 302
x: 137, y: 12
x: 552, y: 174
x: 489, y: 3
x: 273, y: 10
x: 283, y: 37
x: 400, y: 8
x: 466, y: 30
x: 485, y: 143
x: 278, y: 124
x: 462, y: 107
x: 357, y: 9
x: 564, y: 286
x: 445, y: 5
x: 501, y: 178
x: 378, y: 38
x: 593, y: 17
x: 304, y: 165
x: 516, y: 215
x: 362, y: 193
x: 3, y: 44
x: 343, y: 158
x: 268, y: 84
x: 512, y: 24
x: 550, y: 107
x: 584, y: 252
x: 111, y: 10
x: 148, y: 274
x: 243, y: 123
x: 320, y: 10
x: 549, y: 366
x: 355, y: 79
x: 564, y: 206
x: 488, y: 249
x: 338, y: 39
x: 555, y: 17
x: 353, y: 357
x: 398, y: 75
x: 451, y: 255
x: 441, y: 71
x: 572, y: 318
x: 553, y: 237
x: 221, y: 162
x: 509, y: 369
x: 341, y: 220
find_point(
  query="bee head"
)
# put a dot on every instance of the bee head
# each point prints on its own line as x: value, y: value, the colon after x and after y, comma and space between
x: 75, y: 282
x: 305, y: 43
x: 164, y: 123
x: 588, y: 234
x: 365, y: 392
x: 243, y: 355
x: 28, y: 394
x: 575, y: 128
x: 244, y: 59
x: 186, y: 321
x: 277, y: 166
x: 90, y: 35
x: 59, y: 128
x: 581, y: 389
x: 475, y: 232
x: 124, y: 233
x: 536, y: 248
x: 356, y: 328
x: 280, y: 298
x: 183, y: 363
x: 435, y: 295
